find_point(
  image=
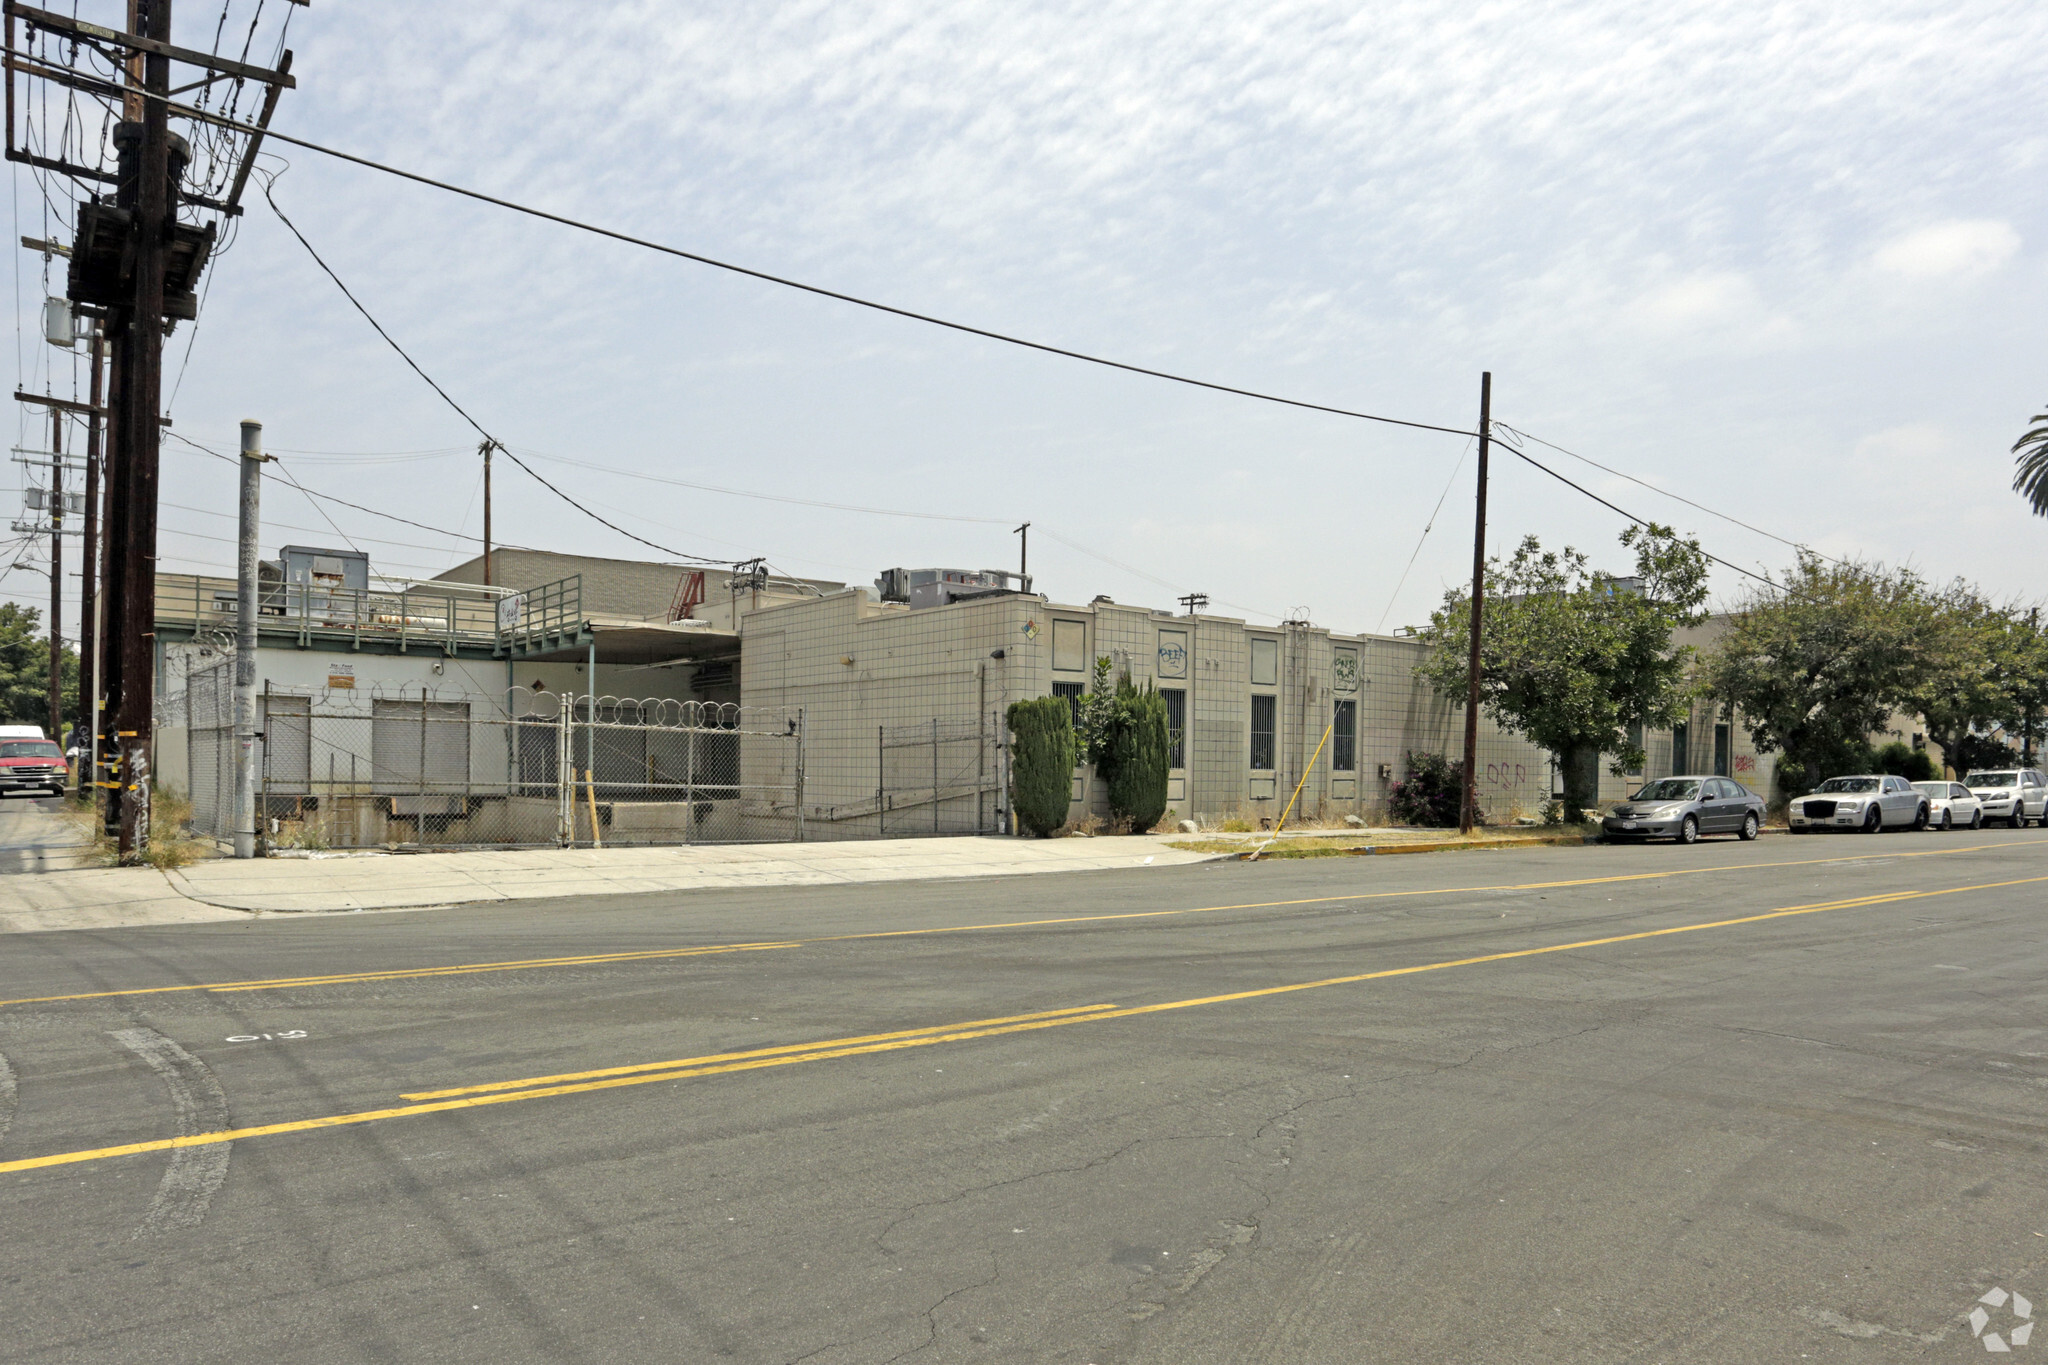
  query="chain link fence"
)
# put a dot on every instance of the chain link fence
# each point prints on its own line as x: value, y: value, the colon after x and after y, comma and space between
x: 415, y: 769
x: 939, y: 777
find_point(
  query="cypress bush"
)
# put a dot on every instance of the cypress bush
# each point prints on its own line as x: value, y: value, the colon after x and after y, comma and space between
x: 1139, y: 751
x: 1041, y: 762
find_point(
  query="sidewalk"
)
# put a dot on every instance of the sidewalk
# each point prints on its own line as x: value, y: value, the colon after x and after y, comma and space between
x: 224, y: 889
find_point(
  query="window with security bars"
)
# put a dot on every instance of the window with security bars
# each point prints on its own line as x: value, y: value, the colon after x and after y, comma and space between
x: 1265, y: 729
x: 1072, y: 692
x: 1176, y: 699
x: 1344, y: 738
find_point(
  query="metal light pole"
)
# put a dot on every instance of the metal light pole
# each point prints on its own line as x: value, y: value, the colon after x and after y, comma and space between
x: 246, y: 610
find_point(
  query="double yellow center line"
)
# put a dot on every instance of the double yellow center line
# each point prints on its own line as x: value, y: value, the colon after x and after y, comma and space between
x: 658, y: 954
x: 648, y: 1073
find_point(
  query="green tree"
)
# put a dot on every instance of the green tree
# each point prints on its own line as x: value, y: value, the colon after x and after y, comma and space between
x: 1819, y: 662
x: 1967, y: 684
x: 1041, y: 762
x: 1137, y: 758
x: 25, y: 670
x: 2030, y: 479
x: 2023, y: 675
x: 1571, y: 658
x: 1903, y: 760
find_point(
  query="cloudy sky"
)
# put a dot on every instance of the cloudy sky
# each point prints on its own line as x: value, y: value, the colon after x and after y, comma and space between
x: 1782, y: 259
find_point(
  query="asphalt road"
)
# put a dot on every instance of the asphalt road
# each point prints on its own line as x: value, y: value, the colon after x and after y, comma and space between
x: 1737, y: 1102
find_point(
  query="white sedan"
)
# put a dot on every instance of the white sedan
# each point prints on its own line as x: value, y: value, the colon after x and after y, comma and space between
x: 1867, y: 803
x: 1951, y: 805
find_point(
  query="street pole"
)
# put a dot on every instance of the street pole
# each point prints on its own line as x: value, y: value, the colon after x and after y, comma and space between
x: 1470, y: 804
x: 57, y: 574
x: 1024, y: 550
x: 486, y: 448
x: 141, y: 402
x: 248, y: 526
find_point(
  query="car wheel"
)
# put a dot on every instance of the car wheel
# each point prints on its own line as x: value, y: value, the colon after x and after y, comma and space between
x: 1948, y: 821
x: 1749, y: 827
x: 1689, y: 830
x: 1920, y: 817
x: 1977, y: 820
x: 1873, y: 823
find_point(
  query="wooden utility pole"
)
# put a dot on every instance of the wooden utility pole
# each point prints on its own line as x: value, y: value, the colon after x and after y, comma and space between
x: 57, y: 574
x: 140, y: 435
x: 89, y: 632
x: 1470, y: 804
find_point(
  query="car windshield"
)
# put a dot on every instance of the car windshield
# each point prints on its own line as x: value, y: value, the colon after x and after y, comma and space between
x: 1935, y: 789
x: 1670, y: 789
x: 1993, y: 780
x: 1849, y: 784
x: 28, y: 748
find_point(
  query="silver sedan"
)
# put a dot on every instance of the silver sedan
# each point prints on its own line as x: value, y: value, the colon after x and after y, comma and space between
x: 1684, y: 808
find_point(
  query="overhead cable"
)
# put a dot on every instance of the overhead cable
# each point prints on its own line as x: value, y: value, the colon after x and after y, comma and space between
x: 1537, y: 464
x: 460, y: 410
x: 1645, y: 483
x: 788, y: 283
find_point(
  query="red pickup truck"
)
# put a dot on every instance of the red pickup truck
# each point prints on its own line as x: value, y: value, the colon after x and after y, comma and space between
x: 32, y: 765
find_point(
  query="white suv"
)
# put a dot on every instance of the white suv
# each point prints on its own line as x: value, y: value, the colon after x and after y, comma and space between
x: 2014, y: 795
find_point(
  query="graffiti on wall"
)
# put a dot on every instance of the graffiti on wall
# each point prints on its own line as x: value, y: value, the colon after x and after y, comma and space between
x: 1744, y: 763
x: 1507, y: 774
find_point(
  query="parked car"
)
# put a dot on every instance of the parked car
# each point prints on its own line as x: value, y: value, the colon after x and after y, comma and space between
x: 1684, y: 808
x: 1951, y: 805
x: 1866, y: 803
x: 32, y: 765
x: 2014, y: 795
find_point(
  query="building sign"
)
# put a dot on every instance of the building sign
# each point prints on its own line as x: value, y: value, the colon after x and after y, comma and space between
x: 1173, y: 654
x: 511, y: 611
x: 1344, y: 670
x: 341, y: 677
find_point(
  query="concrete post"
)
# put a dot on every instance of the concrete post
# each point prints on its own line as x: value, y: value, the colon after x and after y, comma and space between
x: 247, y: 609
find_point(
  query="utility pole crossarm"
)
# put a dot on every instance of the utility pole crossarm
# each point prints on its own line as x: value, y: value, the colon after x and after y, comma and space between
x: 234, y: 204
x: 79, y: 28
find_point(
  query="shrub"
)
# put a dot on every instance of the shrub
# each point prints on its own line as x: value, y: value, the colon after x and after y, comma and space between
x: 1431, y: 793
x: 1041, y: 762
x: 1137, y: 758
x: 1903, y: 760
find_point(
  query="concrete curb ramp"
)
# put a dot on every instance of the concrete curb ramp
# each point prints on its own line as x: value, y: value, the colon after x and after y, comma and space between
x: 223, y: 889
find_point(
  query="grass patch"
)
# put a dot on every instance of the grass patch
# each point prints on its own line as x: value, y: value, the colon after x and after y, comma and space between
x: 172, y: 843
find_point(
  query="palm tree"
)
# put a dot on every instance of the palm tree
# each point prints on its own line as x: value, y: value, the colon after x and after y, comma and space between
x: 2031, y: 481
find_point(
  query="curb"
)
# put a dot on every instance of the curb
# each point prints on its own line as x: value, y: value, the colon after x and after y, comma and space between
x: 1441, y: 846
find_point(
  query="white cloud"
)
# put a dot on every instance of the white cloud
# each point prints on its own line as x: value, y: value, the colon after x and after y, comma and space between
x: 1958, y: 249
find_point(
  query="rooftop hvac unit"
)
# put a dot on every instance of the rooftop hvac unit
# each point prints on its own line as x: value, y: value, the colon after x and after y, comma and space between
x: 923, y: 588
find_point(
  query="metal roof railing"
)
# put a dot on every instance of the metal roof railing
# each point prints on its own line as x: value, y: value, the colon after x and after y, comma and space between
x: 446, y: 619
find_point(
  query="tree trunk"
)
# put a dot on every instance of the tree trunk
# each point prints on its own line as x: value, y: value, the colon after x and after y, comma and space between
x: 1579, y: 768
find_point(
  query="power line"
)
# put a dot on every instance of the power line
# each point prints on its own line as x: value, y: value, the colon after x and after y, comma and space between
x: 786, y: 282
x: 462, y: 411
x: 344, y: 502
x: 1526, y: 459
x: 1645, y: 483
x: 1427, y: 527
x: 766, y: 497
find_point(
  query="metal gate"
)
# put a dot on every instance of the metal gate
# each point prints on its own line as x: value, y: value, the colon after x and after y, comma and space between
x: 938, y: 777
